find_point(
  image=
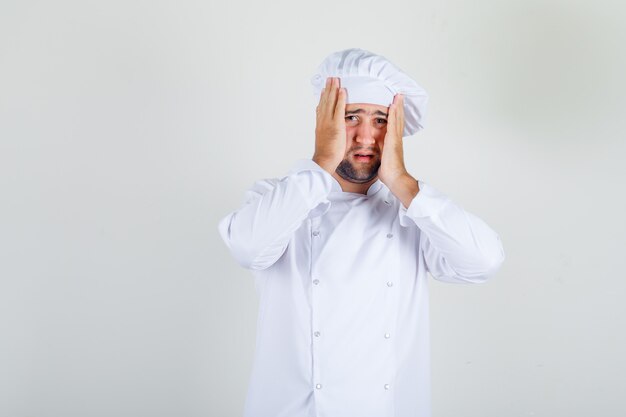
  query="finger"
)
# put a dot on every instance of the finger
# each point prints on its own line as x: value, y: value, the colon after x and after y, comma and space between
x: 399, y: 105
x: 391, y: 116
x: 326, y: 103
x: 340, y: 108
x: 324, y: 93
x: 332, y: 97
x: 400, y: 114
x: 320, y: 105
x: 395, y: 110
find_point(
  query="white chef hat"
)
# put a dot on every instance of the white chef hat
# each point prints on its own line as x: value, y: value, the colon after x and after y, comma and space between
x: 371, y: 78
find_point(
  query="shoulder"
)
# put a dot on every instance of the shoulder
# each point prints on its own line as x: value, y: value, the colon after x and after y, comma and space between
x: 262, y: 185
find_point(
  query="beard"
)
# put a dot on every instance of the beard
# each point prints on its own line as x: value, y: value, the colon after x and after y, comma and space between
x: 358, y: 174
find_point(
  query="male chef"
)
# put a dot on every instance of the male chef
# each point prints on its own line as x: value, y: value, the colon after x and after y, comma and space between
x: 340, y: 248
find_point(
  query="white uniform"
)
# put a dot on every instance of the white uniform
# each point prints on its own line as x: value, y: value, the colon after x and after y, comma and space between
x: 343, y: 297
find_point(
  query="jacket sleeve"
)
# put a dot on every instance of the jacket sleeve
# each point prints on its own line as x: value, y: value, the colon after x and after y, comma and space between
x: 458, y: 246
x: 257, y: 234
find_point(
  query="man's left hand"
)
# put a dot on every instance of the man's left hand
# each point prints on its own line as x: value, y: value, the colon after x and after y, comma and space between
x: 392, y: 171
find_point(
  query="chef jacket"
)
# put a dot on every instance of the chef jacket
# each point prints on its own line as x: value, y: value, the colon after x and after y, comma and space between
x: 343, y: 327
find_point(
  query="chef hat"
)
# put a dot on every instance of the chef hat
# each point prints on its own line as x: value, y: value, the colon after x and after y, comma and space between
x: 370, y: 78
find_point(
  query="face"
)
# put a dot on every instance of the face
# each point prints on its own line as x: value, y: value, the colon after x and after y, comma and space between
x: 366, y: 126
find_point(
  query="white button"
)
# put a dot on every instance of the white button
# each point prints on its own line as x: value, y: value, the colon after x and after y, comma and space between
x: 316, y: 281
x: 389, y: 284
x: 387, y: 202
x: 317, y: 334
x: 389, y: 235
x: 387, y: 335
x: 387, y: 386
x: 316, y: 233
x: 318, y: 386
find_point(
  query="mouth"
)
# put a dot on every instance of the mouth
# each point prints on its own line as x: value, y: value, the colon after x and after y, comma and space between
x: 363, y: 157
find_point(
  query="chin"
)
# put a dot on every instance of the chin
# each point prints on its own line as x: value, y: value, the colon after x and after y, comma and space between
x: 348, y: 172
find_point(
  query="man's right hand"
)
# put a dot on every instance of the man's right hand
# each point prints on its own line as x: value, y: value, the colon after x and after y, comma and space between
x: 330, y: 129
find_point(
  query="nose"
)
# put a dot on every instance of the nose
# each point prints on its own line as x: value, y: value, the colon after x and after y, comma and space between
x: 365, y: 134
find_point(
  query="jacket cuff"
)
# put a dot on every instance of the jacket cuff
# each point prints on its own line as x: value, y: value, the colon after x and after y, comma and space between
x: 427, y: 203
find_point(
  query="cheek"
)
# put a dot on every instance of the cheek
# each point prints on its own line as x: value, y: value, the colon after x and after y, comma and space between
x: 380, y: 138
x: 350, y: 133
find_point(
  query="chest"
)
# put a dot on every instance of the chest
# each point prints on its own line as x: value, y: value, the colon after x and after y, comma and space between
x: 357, y: 239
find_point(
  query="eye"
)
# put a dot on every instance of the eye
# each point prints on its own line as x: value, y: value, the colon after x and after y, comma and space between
x: 381, y: 121
x: 352, y: 119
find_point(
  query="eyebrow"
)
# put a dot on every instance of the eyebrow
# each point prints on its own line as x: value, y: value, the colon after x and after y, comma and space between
x: 359, y: 111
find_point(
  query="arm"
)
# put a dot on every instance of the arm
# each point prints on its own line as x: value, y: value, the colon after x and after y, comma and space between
x: 258, y: 233
x: 457, y: 246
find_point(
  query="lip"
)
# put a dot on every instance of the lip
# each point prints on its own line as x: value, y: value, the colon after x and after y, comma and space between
x: 363, y: 158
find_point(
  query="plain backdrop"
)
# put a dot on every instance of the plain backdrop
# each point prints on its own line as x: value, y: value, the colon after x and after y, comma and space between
x: 128, y: 129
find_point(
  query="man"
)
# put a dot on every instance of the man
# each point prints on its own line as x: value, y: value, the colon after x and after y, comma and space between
x: 340, y: 249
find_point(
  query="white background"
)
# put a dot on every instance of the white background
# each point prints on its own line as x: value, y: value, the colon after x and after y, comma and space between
x: 129, y: 128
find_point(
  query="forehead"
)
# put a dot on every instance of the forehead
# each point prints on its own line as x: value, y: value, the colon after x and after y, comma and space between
x: 369, y: 108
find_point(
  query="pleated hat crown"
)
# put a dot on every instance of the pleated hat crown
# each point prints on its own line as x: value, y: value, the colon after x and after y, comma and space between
x: 371, y: 78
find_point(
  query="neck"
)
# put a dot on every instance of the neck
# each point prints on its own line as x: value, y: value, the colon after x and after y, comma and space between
x: 352, y: 187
